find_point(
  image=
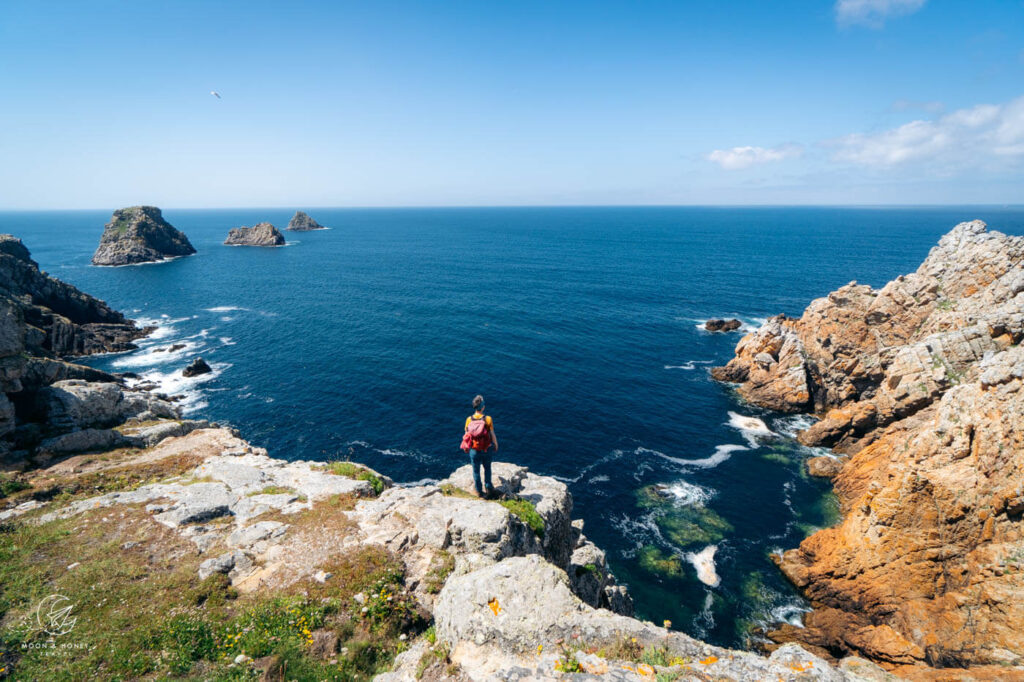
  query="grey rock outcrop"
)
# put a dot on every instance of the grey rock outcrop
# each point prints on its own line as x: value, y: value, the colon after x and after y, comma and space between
x: 261, y: 234
x: 139, y: 234
x: 301, y: 222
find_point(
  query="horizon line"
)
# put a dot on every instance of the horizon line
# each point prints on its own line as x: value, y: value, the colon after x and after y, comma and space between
x: 520, y: 206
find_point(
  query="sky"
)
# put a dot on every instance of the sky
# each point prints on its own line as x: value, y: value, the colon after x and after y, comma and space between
x: 105, y: 104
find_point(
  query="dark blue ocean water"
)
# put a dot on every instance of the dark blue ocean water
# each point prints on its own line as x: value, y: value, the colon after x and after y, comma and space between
x: 579, y: 326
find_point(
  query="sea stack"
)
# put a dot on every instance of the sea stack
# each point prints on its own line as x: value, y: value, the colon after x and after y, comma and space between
x: 301, y: 222
x: 262, y: 234
x: 139, y: 234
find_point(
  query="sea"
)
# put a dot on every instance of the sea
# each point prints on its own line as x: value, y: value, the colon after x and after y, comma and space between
x: 581, y: 327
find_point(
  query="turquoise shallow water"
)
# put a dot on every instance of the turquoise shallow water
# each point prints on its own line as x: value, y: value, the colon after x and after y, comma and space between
x: 579, y: 325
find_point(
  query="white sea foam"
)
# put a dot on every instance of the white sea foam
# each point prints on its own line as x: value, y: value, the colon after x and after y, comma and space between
x: 173, y: 383
x: 722, y: 453
x: 689, y: 495
x: 600, y: 478
x: 704, y: 562
x: 752, y: 428
x: 227, y: 341
x: 157, y: 355
x: 689, y: 365
x: 789, y: 613
x: 637, y: 531
x: 225, y: 309
x: 791, y: 425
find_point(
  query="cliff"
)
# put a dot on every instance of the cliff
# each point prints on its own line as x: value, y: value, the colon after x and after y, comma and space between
x: 139, y: 234
x: 301, y: 222
x: 225, y: 558
x: 261, y: 234
x: 918, y: 389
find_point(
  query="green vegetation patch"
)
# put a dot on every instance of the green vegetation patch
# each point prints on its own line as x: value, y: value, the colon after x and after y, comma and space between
x: 140, y: 611
x: 441, y: 566
x: 10, y: 485
x: 352, y: 470
x: 653, y: 560
x: 527, y: 513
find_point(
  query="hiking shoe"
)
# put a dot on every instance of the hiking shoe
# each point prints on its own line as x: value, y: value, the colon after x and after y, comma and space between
x: 491, y: 494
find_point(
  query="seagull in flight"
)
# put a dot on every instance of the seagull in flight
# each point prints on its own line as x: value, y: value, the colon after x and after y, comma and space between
x: 215, y: 94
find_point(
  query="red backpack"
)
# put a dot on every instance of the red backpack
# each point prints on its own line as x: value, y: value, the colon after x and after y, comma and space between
x: 478, y: 436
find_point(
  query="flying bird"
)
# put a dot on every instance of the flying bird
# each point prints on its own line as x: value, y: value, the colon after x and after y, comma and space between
x: 215, y: 94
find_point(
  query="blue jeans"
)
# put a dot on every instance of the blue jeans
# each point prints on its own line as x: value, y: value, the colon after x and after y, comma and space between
x: 481, y: 458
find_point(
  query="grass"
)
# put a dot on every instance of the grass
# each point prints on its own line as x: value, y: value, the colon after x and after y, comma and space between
x: 143, y: 612
x: 116, y: 478
x: 10, y: 485
x: 273, y: 490
x: 352, y: 470
x: 527, y: 513
x: 441, y: 566
x: 454, y: 491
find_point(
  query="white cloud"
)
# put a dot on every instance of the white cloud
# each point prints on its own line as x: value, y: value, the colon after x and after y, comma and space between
x: 982, y: 135
x: 873, y: 13
x: 738, y: 158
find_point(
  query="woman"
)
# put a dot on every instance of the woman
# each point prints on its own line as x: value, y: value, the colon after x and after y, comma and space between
x: 478, y: 438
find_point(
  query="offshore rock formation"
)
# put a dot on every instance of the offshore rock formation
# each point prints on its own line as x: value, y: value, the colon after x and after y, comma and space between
x: 717, y: 324
x: 920, y: 384
x: 139, y: 234
x: 301, y: 222
x: 261, y: 234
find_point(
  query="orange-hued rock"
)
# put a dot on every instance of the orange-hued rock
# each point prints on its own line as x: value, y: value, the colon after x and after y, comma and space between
x: 920, y: 384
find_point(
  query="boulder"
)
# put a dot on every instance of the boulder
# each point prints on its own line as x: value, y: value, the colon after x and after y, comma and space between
x: 301, y: 222
x: 139, y: 234
x: 196, y: 368
x: 75, y: 404
x: 261, y: 234
x: 719, y: 325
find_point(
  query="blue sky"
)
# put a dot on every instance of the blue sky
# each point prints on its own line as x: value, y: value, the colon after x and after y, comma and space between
x: 104, y: 104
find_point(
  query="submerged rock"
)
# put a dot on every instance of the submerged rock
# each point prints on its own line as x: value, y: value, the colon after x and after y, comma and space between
x: 198, y: 366
x: 720, y: 325
x: 139, y: 234
x: 261, y: 234
x: 301, y: 222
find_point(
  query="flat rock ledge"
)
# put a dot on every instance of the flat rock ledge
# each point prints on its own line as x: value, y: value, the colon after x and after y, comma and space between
x: 512, y: 592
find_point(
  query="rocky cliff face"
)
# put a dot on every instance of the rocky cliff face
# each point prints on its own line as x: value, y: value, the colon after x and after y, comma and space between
x: 139, y: 234
x: 261, y: 234
x: 919, y: 385
x: 49, y: 405
x: 301, y: 222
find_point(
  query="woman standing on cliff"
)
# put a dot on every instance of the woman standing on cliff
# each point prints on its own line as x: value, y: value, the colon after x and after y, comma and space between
x: 477, y: 439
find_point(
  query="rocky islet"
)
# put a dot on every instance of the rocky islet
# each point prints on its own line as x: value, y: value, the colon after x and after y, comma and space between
x: 261, y: 234
x: 139, y: 234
